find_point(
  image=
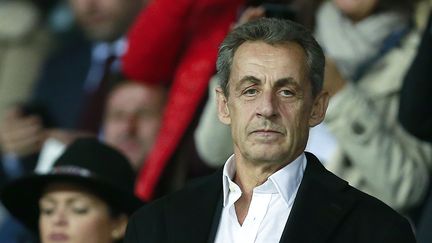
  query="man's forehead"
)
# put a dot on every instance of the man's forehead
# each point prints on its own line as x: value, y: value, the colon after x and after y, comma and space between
x: 269, y: 55
x: 258, y: 45
x: 257, y: 57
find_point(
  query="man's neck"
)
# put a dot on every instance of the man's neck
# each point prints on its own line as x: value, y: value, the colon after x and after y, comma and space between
x: 248, y: 176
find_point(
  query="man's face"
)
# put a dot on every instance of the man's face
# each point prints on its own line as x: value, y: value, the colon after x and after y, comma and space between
x: 132, y: 120
x: 270, y: 105
x: 105, y: 20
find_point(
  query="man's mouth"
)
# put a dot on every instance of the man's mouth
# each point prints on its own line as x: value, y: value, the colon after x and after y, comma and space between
x: 266, y: 134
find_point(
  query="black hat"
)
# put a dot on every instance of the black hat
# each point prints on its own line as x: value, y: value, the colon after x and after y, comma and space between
x: 87, y: 162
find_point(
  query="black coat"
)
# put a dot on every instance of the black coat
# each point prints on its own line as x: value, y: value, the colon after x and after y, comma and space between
x: 59, y: 94
x: 326, y: 209
x: 415, y: 111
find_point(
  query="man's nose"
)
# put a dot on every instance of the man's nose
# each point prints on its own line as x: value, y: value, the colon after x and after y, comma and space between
x: 266, y: 106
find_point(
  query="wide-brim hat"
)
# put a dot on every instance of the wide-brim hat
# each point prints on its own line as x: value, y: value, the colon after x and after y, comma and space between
x: 86, y: 162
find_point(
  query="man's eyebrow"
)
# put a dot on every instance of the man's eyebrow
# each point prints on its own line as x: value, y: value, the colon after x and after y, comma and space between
x: 288, y: 81
x: 249, y: 78
x: 282, y: 82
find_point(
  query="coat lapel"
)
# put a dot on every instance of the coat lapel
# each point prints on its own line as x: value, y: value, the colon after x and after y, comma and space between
x: 197, y: 212
x: 319, y: 205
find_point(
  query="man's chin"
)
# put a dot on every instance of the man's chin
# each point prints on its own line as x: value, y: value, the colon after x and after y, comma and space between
x: 266, y: 157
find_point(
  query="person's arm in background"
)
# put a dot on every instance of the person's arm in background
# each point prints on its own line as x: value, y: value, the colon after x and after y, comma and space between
x: 415, y: 108
x: 363, y: 118
x: 213, y: 138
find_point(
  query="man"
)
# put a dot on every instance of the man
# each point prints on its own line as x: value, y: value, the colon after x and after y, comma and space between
x: 132, y: 118
x: 269, y: 190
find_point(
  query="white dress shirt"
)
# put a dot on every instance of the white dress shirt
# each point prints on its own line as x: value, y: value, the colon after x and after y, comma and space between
x: 269, y: 209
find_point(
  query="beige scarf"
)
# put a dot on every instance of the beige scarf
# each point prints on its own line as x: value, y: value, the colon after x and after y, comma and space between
x: 351, y: 44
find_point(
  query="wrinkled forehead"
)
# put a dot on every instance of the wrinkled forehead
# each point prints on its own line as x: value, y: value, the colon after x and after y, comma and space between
x: 269, y: 61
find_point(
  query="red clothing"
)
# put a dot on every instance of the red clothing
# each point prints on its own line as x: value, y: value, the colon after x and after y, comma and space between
x: 176, y: 41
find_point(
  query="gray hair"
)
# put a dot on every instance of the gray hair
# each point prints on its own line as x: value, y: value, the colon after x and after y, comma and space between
x: 272, y: 31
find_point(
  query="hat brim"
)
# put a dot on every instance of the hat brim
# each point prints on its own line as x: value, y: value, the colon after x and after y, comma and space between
x: 21, y: 197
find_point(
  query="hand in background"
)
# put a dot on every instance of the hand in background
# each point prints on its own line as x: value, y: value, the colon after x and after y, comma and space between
x: 333, y: 80
x: 21, y: 134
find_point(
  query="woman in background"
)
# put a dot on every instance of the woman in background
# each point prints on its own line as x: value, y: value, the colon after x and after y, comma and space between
x: 86, y: 196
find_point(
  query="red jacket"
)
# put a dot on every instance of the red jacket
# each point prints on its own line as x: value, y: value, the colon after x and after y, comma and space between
x: 176, y: 42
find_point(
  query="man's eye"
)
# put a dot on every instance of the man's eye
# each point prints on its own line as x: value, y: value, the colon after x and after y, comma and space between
x: 286, y: 93
x: 250, y: 92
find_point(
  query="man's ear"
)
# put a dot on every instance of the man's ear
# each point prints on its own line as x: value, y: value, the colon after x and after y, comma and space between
x: 319, y: 108
x: 222, y: 107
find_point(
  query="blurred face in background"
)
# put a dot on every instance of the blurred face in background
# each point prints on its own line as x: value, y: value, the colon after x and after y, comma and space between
x: 105, y: 20
x: 71, y: 214
x: 356, y: 10
x: 132, y: 119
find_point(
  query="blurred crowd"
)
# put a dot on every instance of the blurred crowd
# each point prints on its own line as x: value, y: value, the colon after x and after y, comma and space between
x: 109, y: 81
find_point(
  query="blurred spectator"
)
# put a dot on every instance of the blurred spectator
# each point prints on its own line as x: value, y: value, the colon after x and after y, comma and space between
x: 131, y: 122
x: 370, y: 45
x: 132, y: 119
x: 86, y: 197
x: 133, y: 112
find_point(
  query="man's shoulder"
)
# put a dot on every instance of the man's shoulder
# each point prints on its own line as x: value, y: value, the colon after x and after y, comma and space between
x: 361, y: 204
x: 196, y: 191
x: 352, y: 215
x: 183, y: 216
x: 374, y: 220
x: 367, y: 204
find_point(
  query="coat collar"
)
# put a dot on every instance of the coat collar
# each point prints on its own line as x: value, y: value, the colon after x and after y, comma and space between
x: 318, y: 207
